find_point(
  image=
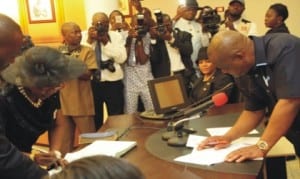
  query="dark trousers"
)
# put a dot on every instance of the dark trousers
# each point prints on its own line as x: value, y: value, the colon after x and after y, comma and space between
x: 294, y: 137
x: 112, y: 94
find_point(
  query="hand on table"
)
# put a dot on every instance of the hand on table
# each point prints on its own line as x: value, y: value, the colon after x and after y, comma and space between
x: 217, y: 142
x: 245, y: 153
x: 239, y: 155
x: 50, y: 160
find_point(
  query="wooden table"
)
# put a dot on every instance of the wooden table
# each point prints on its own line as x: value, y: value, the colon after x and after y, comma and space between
x: 131, y: 127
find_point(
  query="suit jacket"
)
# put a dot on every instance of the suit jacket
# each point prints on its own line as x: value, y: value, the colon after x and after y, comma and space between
x: 159, y: 56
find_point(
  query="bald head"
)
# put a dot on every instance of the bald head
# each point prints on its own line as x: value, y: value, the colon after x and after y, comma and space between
x: 11, y: 39
x: 71, y: 33
x: 230, y: 48
x: 68, y: 26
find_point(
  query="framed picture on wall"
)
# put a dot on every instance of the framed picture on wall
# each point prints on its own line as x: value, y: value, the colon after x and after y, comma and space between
x: 40, y: 11
x: 125, y: 7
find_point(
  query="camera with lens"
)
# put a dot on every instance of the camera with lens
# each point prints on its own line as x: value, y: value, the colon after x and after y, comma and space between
x: 160, y: 22
x: 141, y: 30
x: 109, y: 65
x: 210, y: 19
x: 100, y: 28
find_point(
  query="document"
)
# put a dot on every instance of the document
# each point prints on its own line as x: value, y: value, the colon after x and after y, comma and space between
x: 222, y: 130
x: 102, y: 147
x: 211, y: 156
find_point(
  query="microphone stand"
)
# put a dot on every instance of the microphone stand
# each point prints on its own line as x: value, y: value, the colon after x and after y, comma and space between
x: 180, y: 134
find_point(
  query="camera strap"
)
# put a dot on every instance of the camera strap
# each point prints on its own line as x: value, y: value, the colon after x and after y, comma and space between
x: 98, y: 53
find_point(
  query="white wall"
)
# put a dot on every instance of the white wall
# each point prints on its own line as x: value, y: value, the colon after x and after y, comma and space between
x: 255, y: 10
x: 92, y: 6
x: 10, y: 8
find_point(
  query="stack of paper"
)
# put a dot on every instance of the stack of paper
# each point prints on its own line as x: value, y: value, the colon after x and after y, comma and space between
x: 211, y: 156
x: 101, y: 147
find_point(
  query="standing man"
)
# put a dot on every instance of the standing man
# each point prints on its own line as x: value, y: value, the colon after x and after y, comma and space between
x: 13, y: 163
x: 80, y: 110
x: 267, y: 73
x: 234, y: 20
x: 187, y: 22
x: 107, y: 82
x: 167, y: 54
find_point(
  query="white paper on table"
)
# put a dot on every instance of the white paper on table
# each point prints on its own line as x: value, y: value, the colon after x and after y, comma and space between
x: 217, y: 131
x: 211, y: 156
x: 194, y: 140
x: 102, y: 147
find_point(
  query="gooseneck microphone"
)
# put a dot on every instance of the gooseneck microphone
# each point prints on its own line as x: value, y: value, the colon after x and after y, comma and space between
x: 177, y: 137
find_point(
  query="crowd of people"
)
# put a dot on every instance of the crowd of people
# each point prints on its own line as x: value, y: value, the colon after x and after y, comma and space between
x: 59, y: 90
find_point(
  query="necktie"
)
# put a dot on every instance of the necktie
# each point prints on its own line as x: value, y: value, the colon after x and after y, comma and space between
x: 98, y: 59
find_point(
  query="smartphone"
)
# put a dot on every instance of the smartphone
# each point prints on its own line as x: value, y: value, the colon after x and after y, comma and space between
x: 118, y: 19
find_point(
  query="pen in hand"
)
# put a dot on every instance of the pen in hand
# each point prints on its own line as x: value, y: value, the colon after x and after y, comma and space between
x: 50, y: 159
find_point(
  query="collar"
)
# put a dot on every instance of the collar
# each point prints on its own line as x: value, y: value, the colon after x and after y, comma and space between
x: 260, y: 54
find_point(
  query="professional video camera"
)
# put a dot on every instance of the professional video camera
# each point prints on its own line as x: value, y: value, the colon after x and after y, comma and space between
x: 109, y: 65
x: 101, y: 28
x: 210, y: 19
x: 141, y: 30
x: 159, y: 21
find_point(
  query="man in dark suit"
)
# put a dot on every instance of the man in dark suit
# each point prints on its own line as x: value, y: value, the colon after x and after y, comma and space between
x: 171, y: 51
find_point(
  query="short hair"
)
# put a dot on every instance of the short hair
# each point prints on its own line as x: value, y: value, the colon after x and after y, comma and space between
x: 281, y: 10
x: 104, y: 167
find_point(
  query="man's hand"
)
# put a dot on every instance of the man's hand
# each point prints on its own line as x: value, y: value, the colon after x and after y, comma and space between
x: 132, y: 33
x: 92, y: 34
x: 229, y: 24
x: 245, y: 153
x: 217, y: 142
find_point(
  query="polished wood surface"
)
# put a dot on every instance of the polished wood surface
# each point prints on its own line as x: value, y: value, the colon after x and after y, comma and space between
x: 137, y: 129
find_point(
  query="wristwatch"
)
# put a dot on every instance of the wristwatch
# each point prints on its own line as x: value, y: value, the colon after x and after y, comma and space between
x: 262, y: 145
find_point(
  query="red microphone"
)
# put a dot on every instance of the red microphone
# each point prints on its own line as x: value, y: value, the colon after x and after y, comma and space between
x: 218, y: 99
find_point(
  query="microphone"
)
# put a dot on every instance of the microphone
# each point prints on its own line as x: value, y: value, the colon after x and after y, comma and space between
x: 180, y: 113
x: 177, y: 138
x: 218, y: 99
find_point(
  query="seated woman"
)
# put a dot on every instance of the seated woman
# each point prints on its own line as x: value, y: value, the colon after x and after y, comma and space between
x: 29, y: 106
x: 211, y: 80
x: 104, y: 167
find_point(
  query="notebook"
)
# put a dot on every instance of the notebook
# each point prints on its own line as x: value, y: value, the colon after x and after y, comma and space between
x: 102, y: 147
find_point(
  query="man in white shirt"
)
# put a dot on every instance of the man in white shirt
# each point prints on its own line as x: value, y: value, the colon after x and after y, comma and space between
x: 234, y: 20
x: 187, y: 23
x: 107, y: 82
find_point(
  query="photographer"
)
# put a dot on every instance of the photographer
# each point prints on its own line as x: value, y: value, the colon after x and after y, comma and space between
x: 107, y: 82
x: 138, y: 68
x: 234, y: 20
x: 171, y: 50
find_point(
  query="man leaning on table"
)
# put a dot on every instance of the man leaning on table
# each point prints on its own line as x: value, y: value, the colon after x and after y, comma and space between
x: 266, y: 70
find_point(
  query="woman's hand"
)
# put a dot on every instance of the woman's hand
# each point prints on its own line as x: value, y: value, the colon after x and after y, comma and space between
x: 50, y: 160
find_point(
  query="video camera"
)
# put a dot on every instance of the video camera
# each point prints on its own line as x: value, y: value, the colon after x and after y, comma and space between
x: 210, y: 19
x: 141, y: 30
x: 160, y: 21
